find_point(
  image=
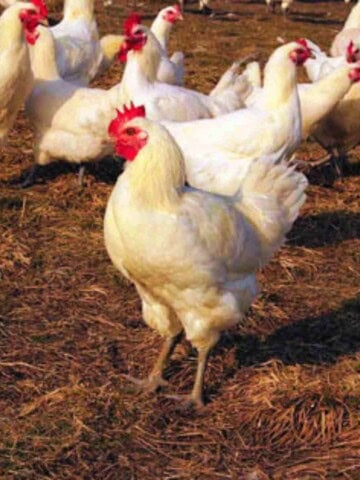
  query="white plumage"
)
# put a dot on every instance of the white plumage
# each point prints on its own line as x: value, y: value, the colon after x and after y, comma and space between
x: 218, y: 151
x: 78, y: 50
x: 197, y: 273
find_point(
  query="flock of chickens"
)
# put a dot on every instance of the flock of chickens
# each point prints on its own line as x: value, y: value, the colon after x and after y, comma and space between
x: 209, y: 191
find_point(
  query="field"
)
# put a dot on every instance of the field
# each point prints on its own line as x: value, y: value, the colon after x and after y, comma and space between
x: 282, y: 392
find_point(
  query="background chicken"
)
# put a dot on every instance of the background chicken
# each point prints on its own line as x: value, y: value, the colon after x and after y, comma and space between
x: 78, y: 50
x: 218, y: 151
x: 197, y: 273
x: 316, y: 99
x: 339, y: 131
x: 18, y: 27
x: 163, y: 101
x: 70, y: 122
x: 320, y: 64
x: 171, y: 70
x: 284, y: 5
x: 350, y: 31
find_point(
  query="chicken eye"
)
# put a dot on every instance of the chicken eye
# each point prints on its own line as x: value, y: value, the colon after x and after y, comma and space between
x: 130, y: 131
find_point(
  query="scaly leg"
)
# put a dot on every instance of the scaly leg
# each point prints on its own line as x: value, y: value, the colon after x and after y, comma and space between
x: 195, y: 398
x: 155, y: 378
x: 81, y: 175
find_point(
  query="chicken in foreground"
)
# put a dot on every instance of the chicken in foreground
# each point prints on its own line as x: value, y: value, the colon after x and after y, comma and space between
x: 171, y: 70
x: 219, y: 151
x: 18, y: 28
x: 192, y: 255
x: 142, y: 53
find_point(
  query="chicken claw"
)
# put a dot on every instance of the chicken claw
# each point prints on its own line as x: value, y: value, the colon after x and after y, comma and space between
x: 149, y: 384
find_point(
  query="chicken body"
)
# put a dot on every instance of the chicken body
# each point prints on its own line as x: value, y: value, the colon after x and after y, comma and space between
x: 16, y: 78
x: 164, y: 101
x: 319, y: 99
x: 339, y: 131
x: 320, y: 64
x: 78, y: 50
x: 197, y: 273
x: 70, y: 122
x: 218, y: 151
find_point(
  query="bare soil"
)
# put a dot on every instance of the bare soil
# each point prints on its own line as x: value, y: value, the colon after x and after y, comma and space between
x: 283, y: 391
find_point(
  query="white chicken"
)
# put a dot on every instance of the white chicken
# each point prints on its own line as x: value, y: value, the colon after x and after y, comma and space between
x: 218, y: 151
x: 284, y: 5
x: 349, y: 32
x: 70, y: 122
x: 339, y: 131
x: 319, y: 98
x: 78, y: 50
x: 171, y: 70
x: 163, y: 101
x: 18, y: 27
x: 192, y: 255
x: 204, y: 6
x: 321, y: 65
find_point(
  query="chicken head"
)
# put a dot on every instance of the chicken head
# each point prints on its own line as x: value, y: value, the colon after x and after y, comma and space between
x: 300, y: 54
x: 129, y: 139
x: 31, y: 18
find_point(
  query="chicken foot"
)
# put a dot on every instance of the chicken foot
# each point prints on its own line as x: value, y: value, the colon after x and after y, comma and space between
x: 335, y: 158
x: 155, y: 379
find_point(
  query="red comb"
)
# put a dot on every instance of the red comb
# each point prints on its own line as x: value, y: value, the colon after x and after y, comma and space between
x: 177, y: 7
x: 41, y: 7
x: 303, y: 42
x: 125, y: 116
x: 132, y: 20
x: 350, y: 52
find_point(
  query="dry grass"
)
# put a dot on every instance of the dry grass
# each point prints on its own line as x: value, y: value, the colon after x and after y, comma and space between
x: 283, y: 391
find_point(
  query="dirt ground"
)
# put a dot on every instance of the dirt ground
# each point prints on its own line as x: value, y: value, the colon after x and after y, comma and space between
x: 283, y: 392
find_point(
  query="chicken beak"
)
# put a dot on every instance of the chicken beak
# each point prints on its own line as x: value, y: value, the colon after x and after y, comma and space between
x: 180, y: 17
x: 44, y: 22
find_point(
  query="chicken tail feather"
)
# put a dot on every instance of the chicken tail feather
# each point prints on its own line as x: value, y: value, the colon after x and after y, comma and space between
x: 271, y: 196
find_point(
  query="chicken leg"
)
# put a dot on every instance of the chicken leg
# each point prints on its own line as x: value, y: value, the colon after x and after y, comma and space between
x: 155, y: 379
x: 195, y: 398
